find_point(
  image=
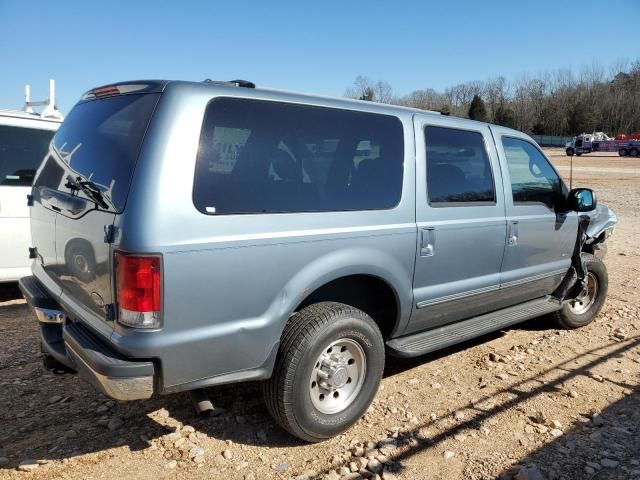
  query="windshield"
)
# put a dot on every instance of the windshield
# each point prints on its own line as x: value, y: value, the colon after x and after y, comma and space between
x: 99, y: 143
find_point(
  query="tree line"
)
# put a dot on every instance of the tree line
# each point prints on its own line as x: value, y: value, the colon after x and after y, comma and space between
x: 559, y: 102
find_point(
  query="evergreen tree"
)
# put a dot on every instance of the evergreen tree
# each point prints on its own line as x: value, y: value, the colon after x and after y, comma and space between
x: 477, y: 110
x: 504, y: 116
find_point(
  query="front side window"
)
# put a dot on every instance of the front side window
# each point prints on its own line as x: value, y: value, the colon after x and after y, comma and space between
x: 458, y: 168
x: 21, y: 151
x: 533, y: 180
x: 268, y: 157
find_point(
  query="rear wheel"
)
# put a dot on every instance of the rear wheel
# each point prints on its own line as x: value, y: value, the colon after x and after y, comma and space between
x: 633, y: 152
x: 327, y: 372
x: 585, y: 307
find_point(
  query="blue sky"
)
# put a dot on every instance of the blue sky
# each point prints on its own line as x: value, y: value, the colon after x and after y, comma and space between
x: 317, y: 47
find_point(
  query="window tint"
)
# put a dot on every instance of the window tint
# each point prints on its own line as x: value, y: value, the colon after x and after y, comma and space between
x: 268, y: 157
x: 99, y: 140
x: 21, y: 151
x: 532, y: 178
x: 458, y: 168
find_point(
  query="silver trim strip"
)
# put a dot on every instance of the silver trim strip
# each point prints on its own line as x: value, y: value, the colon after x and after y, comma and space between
x: 457, y: 296
x: 541, y: 276
x: 492, y: 288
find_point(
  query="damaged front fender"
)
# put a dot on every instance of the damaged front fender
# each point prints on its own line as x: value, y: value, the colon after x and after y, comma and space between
x: 601, y: 223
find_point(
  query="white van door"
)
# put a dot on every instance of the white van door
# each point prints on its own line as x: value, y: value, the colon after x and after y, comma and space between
x: 21, y: 151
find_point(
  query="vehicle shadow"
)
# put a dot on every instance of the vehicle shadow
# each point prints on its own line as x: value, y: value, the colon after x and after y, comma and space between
x: 592, y: 449
x: 9, y: 291
x: 47, y: 416
x: 576, y: 444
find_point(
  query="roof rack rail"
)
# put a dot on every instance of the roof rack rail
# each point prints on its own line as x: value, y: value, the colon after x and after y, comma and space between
x: 50, y: 107
x: 235, y: 83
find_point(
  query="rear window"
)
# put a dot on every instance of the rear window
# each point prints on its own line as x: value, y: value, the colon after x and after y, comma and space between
x: 268, y: 157
x: 21, y: 151
x: 99, y: 141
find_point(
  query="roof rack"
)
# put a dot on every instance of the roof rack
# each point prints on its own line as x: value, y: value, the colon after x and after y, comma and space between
x: 234, y: 83
x: 50, y: 107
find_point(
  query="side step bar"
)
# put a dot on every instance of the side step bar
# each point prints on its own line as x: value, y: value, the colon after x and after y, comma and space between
x: 428, y: 341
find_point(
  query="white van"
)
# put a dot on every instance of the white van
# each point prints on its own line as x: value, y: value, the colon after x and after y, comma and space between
x: 24, y: 141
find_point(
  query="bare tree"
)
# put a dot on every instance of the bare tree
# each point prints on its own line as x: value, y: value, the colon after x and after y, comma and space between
x: 557, y: 102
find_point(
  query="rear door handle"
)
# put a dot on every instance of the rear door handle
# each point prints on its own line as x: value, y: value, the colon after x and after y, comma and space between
x: 512, y: 233
x: 427, y: 241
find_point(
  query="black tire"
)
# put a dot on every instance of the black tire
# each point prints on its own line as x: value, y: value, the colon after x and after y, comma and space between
x: 578, y: 154
x: 569, y: 152
x: 633, y: 152
x: 571, y: 316
x: 623, y: 152
x: 306, y: 336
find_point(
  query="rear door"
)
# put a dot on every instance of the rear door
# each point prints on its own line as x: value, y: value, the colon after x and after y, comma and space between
x: 22, y: 148
x: 80, y: 188
x: 541, y: 232
x: 461, y: 222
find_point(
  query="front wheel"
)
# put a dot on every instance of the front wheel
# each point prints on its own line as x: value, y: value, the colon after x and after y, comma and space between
x: 585, y: 307
x: 327, y: 372
x: 569, y: 151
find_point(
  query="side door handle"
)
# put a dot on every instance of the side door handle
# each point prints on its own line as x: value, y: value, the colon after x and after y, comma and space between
x: 512, y: 233
x: 427, y: 241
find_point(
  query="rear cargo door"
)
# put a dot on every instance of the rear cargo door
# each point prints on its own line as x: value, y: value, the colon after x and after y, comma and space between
x: 84, y: 183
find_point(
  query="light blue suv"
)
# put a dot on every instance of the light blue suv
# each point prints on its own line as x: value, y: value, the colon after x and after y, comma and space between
x: 194, y: 234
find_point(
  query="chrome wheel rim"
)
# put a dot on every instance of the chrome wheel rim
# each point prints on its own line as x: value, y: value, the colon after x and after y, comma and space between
x: 587, y: 297
x: 337, y: 376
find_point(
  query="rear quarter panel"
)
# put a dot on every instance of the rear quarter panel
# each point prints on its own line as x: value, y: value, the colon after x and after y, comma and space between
x: 231, y: 282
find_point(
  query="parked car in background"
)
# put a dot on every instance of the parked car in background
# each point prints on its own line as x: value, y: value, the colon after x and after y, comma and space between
x: 195, y: 234
x: 24, y: 141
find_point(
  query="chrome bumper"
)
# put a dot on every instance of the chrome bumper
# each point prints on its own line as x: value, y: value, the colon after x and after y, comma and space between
x: 49, y: 315
x: 118, y: 388
x: 74, y: 345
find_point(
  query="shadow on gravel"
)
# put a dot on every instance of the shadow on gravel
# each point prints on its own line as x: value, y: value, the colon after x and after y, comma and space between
x: 9, y: 291
x: 51, y: 417
x: 600, y: 448
x: 489, y: 405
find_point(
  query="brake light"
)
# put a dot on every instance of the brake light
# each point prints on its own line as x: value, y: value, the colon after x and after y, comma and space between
x: 138, y: 290
x: 105, y: 91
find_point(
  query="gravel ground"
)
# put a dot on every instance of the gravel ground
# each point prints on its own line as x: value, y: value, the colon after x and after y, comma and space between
x: 531, y: 402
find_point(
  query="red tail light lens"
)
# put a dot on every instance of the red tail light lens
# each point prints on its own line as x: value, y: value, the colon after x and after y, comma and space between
x: 138, y: 290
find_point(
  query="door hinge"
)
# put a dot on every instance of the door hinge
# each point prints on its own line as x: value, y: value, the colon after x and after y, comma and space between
x: 110, y: 311
x: 29, y: 200
x: 33, y: 252
x: 109, y: 233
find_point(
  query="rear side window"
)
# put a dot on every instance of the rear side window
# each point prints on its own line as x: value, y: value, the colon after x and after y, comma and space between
x: 533, y: 180
x: 21, y: 151
x: 268, y: 157
x: 99, y: 141
x: 458, y: 168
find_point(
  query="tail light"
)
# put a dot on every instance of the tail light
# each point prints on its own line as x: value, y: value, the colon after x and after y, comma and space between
x: 138, y: 290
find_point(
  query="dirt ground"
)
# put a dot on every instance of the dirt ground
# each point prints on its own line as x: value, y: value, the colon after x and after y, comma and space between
x: 529, y: 402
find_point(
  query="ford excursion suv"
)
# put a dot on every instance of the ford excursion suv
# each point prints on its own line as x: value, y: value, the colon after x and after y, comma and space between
x: 193, y: 234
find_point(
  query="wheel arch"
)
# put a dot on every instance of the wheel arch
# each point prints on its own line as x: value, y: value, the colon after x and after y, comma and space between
x: 368, y: 279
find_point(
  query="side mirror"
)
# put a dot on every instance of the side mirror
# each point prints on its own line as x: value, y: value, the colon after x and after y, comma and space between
x: 582, y: 200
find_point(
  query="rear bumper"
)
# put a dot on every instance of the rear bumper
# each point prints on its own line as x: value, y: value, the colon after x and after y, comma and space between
x: 75, y: 346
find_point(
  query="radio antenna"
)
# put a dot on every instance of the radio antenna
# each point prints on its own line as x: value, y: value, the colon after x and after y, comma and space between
x: 570, y: 172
